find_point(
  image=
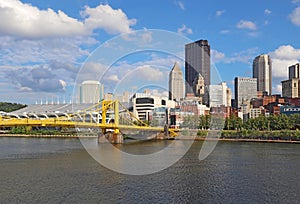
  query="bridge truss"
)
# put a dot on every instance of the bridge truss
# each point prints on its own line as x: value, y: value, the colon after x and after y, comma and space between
x: 105, y: 115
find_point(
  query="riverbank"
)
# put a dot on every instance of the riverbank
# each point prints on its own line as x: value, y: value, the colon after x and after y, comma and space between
x: 197, y: 138
x: 48, y: 136
x: 238, y: 140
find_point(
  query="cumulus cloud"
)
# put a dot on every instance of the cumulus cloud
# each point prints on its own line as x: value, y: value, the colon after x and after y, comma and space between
x: 184, y: 30
x: 268, y: 12
x: 50, y: 78
x: 149, y: 73
x: 295, y: 16
x: 217, y: 56
x: 91, y: 71
x: 113, y: 78
x: 105, y: 17
x: 140, y: 38
x: 24, y: 51
x: 40, y: 78
x: 220, y: 13
x: 244, y: 56
x: 24, y: 20
x: 283, y: 57
x: 243, y: 24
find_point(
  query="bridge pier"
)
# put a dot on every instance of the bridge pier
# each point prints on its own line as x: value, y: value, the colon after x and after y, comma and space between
x: 113, y: 138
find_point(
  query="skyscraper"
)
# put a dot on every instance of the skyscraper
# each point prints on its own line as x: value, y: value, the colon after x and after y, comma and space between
x: 90, y: 92
x: 262, y: 71
x: 294, y: 71
x: 218, y: 95
x: 197, y: 61
x: 244, y: 89
x: 291, y: 87
x: 176, y: 84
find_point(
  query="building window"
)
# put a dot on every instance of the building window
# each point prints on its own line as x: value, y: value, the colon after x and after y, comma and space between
x: 144, y: 100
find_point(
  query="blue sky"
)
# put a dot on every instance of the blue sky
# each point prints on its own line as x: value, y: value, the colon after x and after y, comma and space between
x: 44, y: 45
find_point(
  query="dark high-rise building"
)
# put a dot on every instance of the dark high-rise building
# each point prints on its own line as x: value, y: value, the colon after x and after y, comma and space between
x: 197, y: 61
x: 294, y: 71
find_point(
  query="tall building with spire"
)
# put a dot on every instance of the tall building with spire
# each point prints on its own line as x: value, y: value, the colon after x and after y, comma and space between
x: 262, y: 71
x: 197, y: 61
x: 176, y: 84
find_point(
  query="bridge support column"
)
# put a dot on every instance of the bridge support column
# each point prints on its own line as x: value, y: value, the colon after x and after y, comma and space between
x: 113, y: 138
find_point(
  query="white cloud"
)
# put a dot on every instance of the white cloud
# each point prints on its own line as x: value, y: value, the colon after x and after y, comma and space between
x: 149, y: 73
x: 24, y: 20
x: 295, y: 16
x: 286, y: 52
x: 24, y: 51
x: 277, y: 89
x: 184, y: 30
x: 266, y: 22
x: 113, y: 78
x: 254, y: 34
x: 220, y: 13
x: 223, y: 32
x: 105, y: 17
x: 180, y: 4
x: 245, y: 56
x: 283, y: 57
x: 141, y: 38
x: 217, y: 56
x: 268, y: 12
x: 243, y: 24
x: 38, y: 78
x: 295, y: 1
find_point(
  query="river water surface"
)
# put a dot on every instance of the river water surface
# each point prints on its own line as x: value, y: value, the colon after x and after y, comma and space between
x: 37, y: 170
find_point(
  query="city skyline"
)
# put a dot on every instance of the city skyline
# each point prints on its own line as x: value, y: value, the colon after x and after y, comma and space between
x: 44, y: 44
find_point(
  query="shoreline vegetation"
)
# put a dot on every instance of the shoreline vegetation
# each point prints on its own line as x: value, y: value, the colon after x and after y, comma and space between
x: 280, y: 136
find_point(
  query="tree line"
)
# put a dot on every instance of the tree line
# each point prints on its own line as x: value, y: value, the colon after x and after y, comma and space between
x: 261, y: 123
x: 10, y: 107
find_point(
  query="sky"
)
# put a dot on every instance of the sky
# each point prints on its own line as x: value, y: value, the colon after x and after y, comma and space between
x: 48, y: 47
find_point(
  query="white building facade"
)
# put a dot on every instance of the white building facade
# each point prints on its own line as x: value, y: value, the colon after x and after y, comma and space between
x: 218, y: 95
x: 262, y: 71
x: 90, y: 92
x: 176, y: 84
x: 144, y: 104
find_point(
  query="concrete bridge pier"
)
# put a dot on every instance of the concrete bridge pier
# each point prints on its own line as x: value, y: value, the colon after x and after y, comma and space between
x: 113, y: 138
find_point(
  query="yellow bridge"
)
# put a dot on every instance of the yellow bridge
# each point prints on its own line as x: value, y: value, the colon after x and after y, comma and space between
x: 95, y: 116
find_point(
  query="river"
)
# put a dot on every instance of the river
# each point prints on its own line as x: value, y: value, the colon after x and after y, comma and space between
x: 54, y: 170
